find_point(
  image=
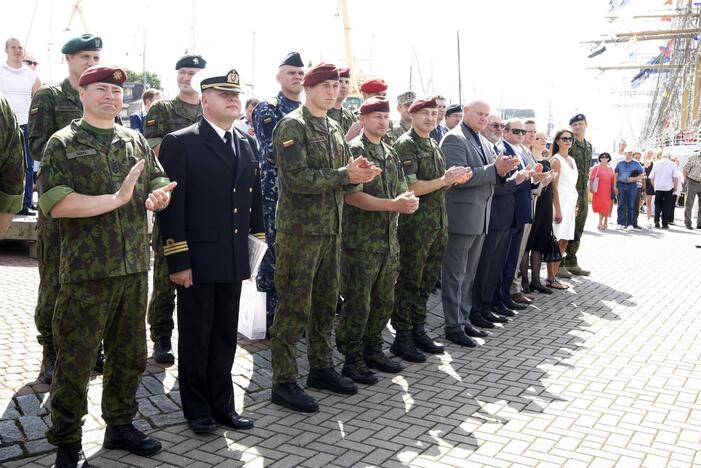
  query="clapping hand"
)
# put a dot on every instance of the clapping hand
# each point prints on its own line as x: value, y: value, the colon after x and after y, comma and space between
x: 406, y: 203
x: 361, y: 171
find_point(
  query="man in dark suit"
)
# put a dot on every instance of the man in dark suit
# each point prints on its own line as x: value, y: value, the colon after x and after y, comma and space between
x: 468, y: 207
x: 205, y: 232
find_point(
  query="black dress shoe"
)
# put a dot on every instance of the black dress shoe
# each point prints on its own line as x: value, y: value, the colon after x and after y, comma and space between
x: 234, y: 421
x: 48, y: 364
x: 375, y: 359
x: 127, y: 437
x: 404, y: 347
x: 514, y: 305
x: 69, y: 456
x: 162, y: 350
x: 460, y: 338
x: 503, y: 311
x: 291, y: 395
x: 203, y: 425
x: 474, y: 332
x: 329, y: 379
x: 494, y: 318
x: 99, y: 361
x: 424, y: 343
x: 477, y: 320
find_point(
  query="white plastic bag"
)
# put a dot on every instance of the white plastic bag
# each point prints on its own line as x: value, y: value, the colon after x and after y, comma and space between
x: 252, y: 313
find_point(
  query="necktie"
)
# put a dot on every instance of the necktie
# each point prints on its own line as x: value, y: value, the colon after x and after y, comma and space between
x: 230, y: 147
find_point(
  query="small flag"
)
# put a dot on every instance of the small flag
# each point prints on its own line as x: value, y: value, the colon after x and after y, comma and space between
x: 598, y: 49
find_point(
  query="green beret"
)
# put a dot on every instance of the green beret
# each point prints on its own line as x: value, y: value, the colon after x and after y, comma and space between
x: 81, y: 43
x: 190, y: 61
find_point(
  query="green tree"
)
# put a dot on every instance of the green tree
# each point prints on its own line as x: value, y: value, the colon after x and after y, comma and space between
x: 153, y: 80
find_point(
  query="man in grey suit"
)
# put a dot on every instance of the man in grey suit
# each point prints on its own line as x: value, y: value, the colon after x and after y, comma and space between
x: 468, y: 207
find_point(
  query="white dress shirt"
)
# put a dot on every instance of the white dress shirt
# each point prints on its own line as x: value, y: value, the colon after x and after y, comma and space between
x: 662, y: 175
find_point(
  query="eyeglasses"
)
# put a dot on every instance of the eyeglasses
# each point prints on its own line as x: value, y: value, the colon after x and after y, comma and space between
x: 30, y: 62
x: 497, y: 126
x: 517, y: 131
x: 566, y: 138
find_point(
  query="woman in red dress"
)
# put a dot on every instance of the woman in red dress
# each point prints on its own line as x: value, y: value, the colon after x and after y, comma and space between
x: 601, y: 198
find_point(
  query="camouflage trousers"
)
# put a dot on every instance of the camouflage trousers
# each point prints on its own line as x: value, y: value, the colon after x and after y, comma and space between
x: 420, y: 259
x: 367, y: 286
x: 86, y: 313
x: 580, y: 220
x: 266, y: 274
x: 162, y: 302
x: 307, y: 278
x: 49, y: 256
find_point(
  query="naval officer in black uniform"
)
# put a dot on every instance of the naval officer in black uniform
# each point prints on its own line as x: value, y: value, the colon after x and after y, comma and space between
x: 205, y: 233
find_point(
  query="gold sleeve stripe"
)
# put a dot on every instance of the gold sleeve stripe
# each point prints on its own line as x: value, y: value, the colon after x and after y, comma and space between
x: 174, y: 246
x: 175, y: 251
x: 259, y: 236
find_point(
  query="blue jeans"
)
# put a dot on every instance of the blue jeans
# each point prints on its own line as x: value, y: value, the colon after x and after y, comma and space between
x: 626, y: 203
x: 29, y: 170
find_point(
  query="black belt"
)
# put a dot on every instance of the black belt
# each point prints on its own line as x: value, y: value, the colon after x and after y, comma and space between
x: 627, y: 183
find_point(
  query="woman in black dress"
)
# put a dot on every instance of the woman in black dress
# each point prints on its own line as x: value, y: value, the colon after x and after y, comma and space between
x: 540, y: 238
x: 649, y: 189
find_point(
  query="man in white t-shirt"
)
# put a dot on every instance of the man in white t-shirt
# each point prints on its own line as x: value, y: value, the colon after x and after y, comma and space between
x: 18, y: 84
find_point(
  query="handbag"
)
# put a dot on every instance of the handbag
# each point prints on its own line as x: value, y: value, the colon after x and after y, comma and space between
x: 553, y: 253
x: 594, y: 184
x: 252, y: 311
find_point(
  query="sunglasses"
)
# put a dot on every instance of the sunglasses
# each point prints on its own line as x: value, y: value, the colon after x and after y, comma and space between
x: 29, y: 62
x: 566, y: 138
x: 517, y: 131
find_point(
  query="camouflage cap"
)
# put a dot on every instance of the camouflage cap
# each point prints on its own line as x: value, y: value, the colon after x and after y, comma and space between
x: 190, y: 61
x: 81, y: 43
x: 406, y: 98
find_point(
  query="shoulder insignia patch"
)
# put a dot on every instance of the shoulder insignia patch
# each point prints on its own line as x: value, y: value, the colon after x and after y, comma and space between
x: 151, y: 123
x: 288, y: 143
x: 34, y: 111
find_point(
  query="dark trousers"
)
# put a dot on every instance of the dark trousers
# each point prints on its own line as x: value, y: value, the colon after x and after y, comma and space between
x: 508, y: 272
x: 208, y: 316
x: 664, y: 206
x: 626, y: 200
x: 489, y: 269
x: 636, y: 212
x: 29, y: 170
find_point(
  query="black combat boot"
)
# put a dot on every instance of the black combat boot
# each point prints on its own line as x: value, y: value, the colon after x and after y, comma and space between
x: 329, y: 379
x: 70, y: 455
x: 423, y: 342
x: 163, y: 351
x: 376, y: 359
x: 129, y: 438
x: 405, y: 348
x: 99, y: 361
x: 291, y: 395
x: 355, y: 369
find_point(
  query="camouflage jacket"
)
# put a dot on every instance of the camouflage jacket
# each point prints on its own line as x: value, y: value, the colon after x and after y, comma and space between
x: 12, y: 161
x: 265, y: 116
x: 343, y: 117
x: 311, y: 154
x: 581, y: 152
x: 422, y: 159
x: 374, y: 231
x: 88, y: 161
x: 168, y: 115
x: 53, y: 107
x: 398, y: 129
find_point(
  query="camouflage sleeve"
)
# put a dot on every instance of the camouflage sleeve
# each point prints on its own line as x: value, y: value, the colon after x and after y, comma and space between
x: 355, y: 151
x: 154, y: 124
x: 40, y: 121
x: 55, y: 178
x: 157, y: 176
x: 403, y: 183
x: 171, y: 221
x: 406, y: 151
x: 264, y: 121
x: 12, y: 161
x: 291, y: 156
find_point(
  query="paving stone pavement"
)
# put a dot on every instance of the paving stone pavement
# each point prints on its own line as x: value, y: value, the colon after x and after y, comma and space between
x: 607, y: 373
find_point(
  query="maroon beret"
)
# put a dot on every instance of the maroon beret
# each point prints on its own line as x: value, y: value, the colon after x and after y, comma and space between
x: 374, y: 104
x: 373, y: 86
x: 96, y: 74
x: 424, y: 103
x: 344, y: 72
x: 319, y: 73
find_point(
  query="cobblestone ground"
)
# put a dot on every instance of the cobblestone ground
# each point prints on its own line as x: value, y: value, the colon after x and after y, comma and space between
x: 607, y: 373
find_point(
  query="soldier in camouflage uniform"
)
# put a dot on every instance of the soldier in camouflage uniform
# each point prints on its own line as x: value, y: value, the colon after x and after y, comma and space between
x: 581, y: 152
x: 97, y: 180
x: 266, y: 115
x: 54, y: 107
x: 423, y: 236
x: 368, y: 89
x: 12, y: 166
x: 164, y: 117
x: 370, y: 255
x: 404, y: 102
x: 310, y: 153
x: 341, y: 115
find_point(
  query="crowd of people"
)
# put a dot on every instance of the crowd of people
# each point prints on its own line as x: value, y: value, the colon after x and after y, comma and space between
x: 363, y: 217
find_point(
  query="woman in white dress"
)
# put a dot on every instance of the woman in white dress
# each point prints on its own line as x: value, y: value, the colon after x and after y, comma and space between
x: 564, y: 188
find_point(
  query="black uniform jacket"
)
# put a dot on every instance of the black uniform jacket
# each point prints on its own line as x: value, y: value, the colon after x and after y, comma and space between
x: 216, y: 204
